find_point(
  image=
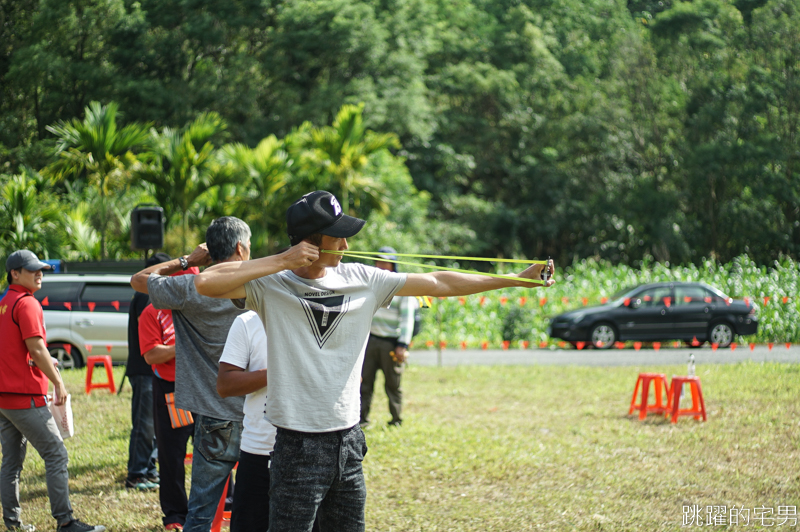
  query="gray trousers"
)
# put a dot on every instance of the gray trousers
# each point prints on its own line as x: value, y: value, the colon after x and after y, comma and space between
x: 35, y: 425
x: 378, y: 357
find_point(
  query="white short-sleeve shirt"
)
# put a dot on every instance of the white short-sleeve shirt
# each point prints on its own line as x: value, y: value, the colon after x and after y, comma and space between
x: 246, y: 348
x: 317, y: 331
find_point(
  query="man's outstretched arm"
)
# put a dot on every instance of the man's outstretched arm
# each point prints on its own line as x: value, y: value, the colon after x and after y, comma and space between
x: 226, y: 280
x: 198, y: 257
x: 447, y: 284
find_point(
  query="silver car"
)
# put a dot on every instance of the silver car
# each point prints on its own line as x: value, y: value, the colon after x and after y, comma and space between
x: 86, y: 314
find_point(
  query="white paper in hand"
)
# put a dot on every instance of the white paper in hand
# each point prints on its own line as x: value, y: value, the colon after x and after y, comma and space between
x: 62, y: 414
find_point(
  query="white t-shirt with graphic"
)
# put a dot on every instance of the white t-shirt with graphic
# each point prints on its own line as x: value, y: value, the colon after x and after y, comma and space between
x: 246, y: 348
x: 317, y: 331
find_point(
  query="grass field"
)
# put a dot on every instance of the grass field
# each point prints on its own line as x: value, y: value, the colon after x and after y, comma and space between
x: 511, y: 448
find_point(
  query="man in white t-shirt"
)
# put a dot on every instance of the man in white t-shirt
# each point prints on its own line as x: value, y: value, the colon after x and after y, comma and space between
x: 243, y: 371
x: 317, y: 313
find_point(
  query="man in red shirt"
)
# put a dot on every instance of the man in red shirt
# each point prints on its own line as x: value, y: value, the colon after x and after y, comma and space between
x: 157, y: 344
x: 25, y: 368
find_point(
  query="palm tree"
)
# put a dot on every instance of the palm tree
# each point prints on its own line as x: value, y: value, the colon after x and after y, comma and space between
x: 28, y: 217
x: 344, y: 150
x: 83, y: 239
x: 262, y: 172
x: 183, y: 165
x: 96, y: 149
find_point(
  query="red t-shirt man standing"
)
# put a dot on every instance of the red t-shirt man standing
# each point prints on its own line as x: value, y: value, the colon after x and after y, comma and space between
x: 25, y: 369
x: 157, y: 344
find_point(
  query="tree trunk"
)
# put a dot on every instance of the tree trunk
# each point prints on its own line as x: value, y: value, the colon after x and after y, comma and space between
x: 37, y: 113
x: 103, y: 218
x: 712, y: 204
x: 184, y: 228
x: 345, y: 197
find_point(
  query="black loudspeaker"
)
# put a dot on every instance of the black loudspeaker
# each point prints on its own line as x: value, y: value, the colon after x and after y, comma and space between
x: 147, y: 227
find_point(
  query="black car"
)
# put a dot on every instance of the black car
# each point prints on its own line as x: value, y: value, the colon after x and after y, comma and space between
x: 659, y: 311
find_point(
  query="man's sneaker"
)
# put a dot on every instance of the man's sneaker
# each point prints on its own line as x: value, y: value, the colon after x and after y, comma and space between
x: 153, y: 479
x: 141, y: 484
x: 79, y: 526
x: 21, y: 528
x: 174, y: 526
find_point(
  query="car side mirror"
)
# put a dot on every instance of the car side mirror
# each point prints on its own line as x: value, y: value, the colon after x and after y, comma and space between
x: 635, y: 303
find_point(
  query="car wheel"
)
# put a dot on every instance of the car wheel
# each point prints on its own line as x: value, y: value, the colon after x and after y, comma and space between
x: 66, y: 360
x: 721, y: 333
x: 603, y: 336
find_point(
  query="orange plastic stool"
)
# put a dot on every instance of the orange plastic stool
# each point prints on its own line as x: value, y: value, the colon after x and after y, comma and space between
x: 659, y: 380
x: 673, y: 403
x: 223, y: 517
x: 106, y: 361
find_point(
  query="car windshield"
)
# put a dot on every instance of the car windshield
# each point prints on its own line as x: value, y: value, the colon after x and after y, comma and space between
x: 719, y: 293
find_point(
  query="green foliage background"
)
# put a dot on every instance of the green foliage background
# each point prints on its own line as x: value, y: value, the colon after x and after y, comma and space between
x: 622, y: 131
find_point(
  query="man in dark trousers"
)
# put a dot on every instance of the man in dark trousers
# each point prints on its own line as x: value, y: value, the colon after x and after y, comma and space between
x: 25, y: 369
x: 173, y: 427
x: 389, y: 336
x: 142, y: 453
x: 201, y: 327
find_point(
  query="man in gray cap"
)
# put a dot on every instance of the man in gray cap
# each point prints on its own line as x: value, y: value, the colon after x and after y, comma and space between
x: 389, y: 336
x: 25, y: 369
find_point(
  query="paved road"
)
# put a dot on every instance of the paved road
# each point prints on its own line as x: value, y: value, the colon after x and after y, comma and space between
x: 612, y: 357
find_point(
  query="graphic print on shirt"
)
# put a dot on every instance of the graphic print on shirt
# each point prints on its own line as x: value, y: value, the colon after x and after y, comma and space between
x: 324, y: 315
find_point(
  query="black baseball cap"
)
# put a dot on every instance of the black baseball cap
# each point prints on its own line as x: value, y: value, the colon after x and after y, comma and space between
x: 25, y: 259
x: 319, y: 212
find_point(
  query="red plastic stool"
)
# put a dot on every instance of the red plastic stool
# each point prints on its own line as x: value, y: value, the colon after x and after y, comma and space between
x: 673, y: 403
x: 106, y: 361
x: 658, y: 380
x: 223, y: 517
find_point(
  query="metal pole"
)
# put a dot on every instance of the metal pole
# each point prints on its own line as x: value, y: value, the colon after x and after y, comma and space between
x: 440, y: 336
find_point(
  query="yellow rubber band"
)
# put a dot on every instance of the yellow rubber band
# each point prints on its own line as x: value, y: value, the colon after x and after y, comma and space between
x: 371, y: 255
x: 368, y: 255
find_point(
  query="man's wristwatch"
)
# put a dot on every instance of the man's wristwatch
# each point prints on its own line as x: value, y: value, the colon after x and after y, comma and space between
x: 184, y: 263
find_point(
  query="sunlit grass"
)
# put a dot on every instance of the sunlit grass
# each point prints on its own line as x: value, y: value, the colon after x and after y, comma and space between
x: 507, y: 449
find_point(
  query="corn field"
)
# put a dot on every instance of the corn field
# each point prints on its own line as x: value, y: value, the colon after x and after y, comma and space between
x: 519, y: 316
